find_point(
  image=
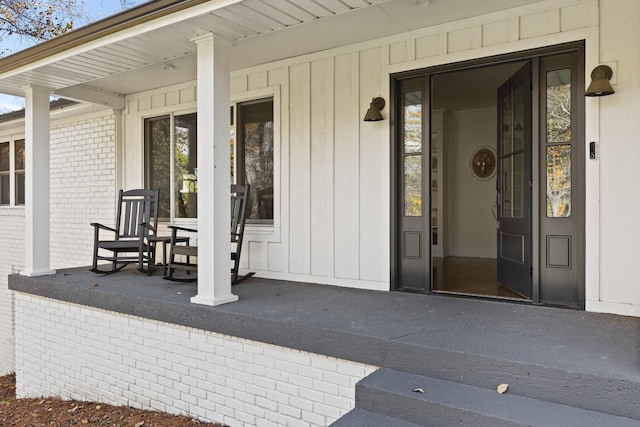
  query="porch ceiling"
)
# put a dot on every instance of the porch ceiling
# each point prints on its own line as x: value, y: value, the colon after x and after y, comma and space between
x: 151, y: 46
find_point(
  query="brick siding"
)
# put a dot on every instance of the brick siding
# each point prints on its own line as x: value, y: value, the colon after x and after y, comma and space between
x: 83, y: 186
x: 77, y: 352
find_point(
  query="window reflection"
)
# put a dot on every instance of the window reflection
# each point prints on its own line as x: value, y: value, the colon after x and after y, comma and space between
x: 559, y: 181
x: 19, y: 171
x: 158, y: 158
x: 186, y: 166
x: 413, y: 185
x: 559, y: 106
x: 412, y: 131
x: 413, y: 122
x: 255, y: 157
x: 5, y: 186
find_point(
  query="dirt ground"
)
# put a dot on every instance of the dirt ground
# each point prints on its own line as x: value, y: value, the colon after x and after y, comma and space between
x: 53, y: 412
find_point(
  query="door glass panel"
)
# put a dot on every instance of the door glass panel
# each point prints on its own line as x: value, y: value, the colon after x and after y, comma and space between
x: 413, y: 185
x: 413, y: 122
x: 518, y: 185
x: 507, y: 143
x: 518, y: 118
x: 505, y: 195
x: 559, y: 106
x: 559, y: 181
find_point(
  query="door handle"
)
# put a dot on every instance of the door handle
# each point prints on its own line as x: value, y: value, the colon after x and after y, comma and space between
x: 494, y: 212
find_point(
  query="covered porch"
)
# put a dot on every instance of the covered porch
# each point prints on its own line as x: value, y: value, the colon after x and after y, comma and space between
x: 562, y: 366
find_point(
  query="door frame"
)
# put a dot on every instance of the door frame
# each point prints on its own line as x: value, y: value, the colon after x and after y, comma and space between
x: 533, y: 55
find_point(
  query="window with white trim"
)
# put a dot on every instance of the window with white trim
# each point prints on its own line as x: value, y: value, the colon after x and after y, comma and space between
x: 252, y: 139
x: 171, y: 159
x: 171, y: 163
x: 12, y: 168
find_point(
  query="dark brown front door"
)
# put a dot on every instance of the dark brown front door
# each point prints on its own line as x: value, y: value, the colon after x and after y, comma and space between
x: 514, y: 183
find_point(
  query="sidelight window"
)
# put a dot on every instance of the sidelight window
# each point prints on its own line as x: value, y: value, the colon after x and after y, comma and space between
x: 412, y: 153
x: 558, y: 136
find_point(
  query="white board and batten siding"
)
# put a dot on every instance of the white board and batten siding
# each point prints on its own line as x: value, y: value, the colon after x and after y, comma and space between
x: 334, y: 168
x: 332, y: 219
x: 332, y: 195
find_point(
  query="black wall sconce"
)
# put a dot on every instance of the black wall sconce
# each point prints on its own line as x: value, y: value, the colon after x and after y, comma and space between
x: 600, y: 85
x: 373, y: 113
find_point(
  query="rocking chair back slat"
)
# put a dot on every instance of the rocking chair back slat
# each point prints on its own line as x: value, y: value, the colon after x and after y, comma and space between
x: 238, y: 204
x: 136, y: 218
x: 137, y: 210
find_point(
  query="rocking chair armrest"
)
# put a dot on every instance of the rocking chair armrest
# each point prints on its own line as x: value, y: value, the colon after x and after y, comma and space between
x: 149, y: 227
x: 179, y: 228
x: 99, y: 226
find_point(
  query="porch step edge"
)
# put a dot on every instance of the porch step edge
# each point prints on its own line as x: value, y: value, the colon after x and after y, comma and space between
x: 361, y: 418
x: 429, y: 401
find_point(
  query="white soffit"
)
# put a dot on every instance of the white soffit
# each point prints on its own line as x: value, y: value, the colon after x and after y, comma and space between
x: 160, y: 52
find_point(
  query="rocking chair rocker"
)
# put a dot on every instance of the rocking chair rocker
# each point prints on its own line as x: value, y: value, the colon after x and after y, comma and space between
x: 239, y: 194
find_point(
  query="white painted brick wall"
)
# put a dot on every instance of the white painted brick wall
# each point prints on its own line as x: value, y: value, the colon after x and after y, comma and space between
x: 11, y: 260
x: 83, y: 185
x: 82, y: 353
x: 83, y: 188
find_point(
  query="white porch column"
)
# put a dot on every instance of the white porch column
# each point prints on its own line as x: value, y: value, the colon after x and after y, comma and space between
x: 214, y: 172
x: 37, y: 185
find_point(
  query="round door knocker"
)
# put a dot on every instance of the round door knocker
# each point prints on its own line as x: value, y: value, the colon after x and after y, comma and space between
x: 483, y: 163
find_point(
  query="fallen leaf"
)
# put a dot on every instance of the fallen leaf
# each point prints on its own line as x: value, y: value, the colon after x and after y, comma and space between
x: 418, y: 390
x: 95, y: 285
x: 140, y: 424
x: 64, y: 283
x: 98, y: 406
x: 178, y: 293
x: 502, y: 388
x: 85, y: 421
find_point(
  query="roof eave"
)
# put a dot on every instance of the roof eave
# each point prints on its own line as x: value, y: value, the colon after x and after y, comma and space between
x: 127, y: 19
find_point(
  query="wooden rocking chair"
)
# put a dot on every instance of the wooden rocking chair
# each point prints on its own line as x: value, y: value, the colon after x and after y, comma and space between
x: 239, y: 195
x: 136, y: 220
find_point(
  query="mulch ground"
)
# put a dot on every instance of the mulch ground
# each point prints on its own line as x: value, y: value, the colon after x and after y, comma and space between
x: 53, y: 412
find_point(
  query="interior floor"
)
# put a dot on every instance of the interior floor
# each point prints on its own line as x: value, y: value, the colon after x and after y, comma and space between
x: 469, y: 276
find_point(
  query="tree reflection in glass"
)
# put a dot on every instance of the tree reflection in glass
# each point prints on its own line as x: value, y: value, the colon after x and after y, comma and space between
x: 558, y: 123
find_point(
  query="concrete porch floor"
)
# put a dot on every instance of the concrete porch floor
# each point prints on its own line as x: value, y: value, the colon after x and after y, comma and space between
x: 537, y: 350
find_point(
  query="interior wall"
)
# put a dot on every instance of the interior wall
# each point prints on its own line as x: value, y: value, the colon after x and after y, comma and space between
x: 471, y: 227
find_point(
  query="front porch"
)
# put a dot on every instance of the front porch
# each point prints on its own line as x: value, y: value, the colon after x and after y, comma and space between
x: 583, y: 361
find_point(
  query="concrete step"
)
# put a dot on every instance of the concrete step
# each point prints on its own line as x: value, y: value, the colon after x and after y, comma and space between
x: 391, y: 393
x: 362, y: 418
